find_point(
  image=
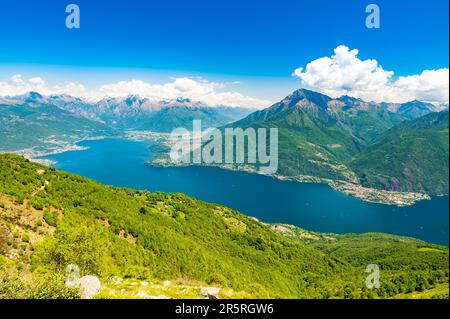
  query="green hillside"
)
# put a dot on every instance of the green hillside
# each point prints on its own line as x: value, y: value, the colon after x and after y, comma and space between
x: 410, y: 157
x: 368, y: 124
x: 49, y: 219
x: 311, y: 145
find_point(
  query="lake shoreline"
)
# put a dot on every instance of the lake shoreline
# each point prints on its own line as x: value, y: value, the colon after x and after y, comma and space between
x: 370, y: 195
x: 38, y: 156
x: 161, y: 159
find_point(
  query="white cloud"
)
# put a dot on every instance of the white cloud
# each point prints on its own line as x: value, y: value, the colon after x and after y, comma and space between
x: 16, y: 85
x: 37, y: 81
x: 197, y: 89
x: 17, y: 78
x: 430, y: 85
x: 344, y: 73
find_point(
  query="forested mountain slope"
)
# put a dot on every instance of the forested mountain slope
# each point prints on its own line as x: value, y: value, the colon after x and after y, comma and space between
x: 387, y: 146
x: 412, y: 156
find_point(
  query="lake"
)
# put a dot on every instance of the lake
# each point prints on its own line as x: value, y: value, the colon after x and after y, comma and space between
x: 315, y: 207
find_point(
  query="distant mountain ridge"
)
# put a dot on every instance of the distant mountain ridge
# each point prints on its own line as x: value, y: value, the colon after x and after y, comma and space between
x: 316, y: 102
x: 31, y: 129
x: 139, y: 113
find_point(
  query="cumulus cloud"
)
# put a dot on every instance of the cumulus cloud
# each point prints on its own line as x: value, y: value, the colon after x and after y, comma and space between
x: 17, y: 85
x: 430, y: 85
x: 195, y: 89
x: 198, y: 89
x: 345, y: 74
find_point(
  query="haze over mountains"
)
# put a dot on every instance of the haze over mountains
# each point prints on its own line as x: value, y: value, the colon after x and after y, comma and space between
x: 139, y: 113
x: 31, y: 129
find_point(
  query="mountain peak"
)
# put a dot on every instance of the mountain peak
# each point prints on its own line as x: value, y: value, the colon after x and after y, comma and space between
x: 308, y: 94
x: 183, y: 100
x: 34, y: 95
x: 317, y: 98
x: 64, y: 98
x: 132, y: 99
x: 418, y: 103
x: 348, y: 98
x: 29, y: 97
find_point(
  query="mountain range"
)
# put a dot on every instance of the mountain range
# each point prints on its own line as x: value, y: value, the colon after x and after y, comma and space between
x: 344, y: 108
x: 34, y: 124
x: 341, y: 139
x: 33, y: 129
x: 139, y: 113
x: 398, y: 147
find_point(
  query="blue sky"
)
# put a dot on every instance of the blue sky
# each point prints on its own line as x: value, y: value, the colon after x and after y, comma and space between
x: 256, y: 43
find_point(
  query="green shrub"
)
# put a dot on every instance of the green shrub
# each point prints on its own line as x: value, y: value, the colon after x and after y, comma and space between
x: 143, y: 210
x: 86, y: 247
x: 37, y: 203
x: 53, y: 287
x: 51, y: 218
x: 26, y: 238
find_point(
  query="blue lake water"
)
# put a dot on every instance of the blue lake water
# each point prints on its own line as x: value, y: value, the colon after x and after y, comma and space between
x: 314, y: 207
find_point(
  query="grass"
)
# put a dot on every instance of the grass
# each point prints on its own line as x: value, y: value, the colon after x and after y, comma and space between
x: 428, y: 249
x: 440, y: 291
